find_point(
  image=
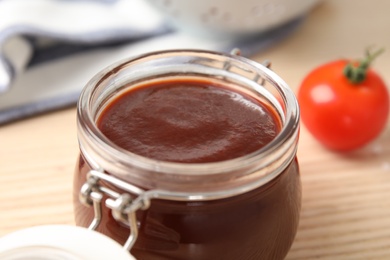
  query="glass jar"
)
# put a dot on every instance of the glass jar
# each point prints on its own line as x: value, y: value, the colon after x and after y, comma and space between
x: 243, y: 208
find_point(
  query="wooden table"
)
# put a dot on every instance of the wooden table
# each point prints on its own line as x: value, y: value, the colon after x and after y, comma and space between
x: 346, y: 197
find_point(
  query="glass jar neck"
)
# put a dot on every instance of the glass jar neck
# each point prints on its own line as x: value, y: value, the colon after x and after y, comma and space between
x: 209, y: 180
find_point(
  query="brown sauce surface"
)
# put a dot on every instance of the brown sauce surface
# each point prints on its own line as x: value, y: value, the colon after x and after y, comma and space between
x: 188, y: 121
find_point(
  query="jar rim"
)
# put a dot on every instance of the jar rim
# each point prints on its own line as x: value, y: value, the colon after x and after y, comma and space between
x: 289, y: 129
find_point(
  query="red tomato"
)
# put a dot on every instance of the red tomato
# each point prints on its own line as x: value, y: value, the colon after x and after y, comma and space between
x: 344, y: 115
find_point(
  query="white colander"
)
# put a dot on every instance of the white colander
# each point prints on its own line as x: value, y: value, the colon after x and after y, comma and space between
x: 231, y: 17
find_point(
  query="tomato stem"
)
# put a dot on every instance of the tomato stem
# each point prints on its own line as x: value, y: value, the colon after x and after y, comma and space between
x: 357, y: 73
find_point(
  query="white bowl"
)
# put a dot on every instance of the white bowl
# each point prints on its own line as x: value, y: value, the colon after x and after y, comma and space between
x: 231, y: 18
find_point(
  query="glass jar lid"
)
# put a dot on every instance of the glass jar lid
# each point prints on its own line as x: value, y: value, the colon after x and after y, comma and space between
x: 60, y: 242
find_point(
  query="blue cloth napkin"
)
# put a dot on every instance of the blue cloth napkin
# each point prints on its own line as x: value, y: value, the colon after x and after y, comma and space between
x: 49, y: 49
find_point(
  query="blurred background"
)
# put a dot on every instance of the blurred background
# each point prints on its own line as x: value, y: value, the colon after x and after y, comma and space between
x: 49, y: 49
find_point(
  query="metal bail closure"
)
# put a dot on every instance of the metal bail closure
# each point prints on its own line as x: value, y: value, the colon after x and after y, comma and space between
x: 237, y: 52
x: 123, y: 206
